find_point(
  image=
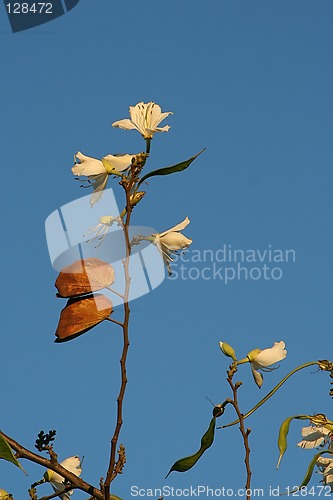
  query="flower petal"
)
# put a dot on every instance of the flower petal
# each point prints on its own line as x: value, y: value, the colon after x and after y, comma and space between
x: 87, y: 166
x: 125, y: 124
x: 178, y: 227
x: 72, y: 464
x: 258, y: 378
x: 119, y: 162
x: 175, y: 241
x: 271, y: 355
x: 314, y: 436
x: 99, y: 184
x: 152, y: 131
x: 156, y: 116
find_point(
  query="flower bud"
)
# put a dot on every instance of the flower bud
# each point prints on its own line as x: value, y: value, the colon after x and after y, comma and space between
x: 228, y: 350
x: 136, y: 197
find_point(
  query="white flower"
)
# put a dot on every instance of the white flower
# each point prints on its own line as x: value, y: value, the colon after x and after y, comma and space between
x: 72, y: 464
x: 313, y: 437
x: 98, y: 171
x: 326, y: 468
x: 145, y: 117
x: 263, y: 359
x: 171, y: 241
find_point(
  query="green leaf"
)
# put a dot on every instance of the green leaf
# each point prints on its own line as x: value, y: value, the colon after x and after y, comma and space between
x: 7, y: 454
x: 171, y: 170
x: 283, y: 433
x: 114, y: 497
x: 184, y: 464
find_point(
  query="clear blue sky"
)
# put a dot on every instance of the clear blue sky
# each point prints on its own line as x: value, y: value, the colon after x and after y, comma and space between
x: 250, y: 81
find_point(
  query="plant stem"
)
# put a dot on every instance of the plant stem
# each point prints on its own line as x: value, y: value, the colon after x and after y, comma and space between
x: 111, y: 474
x: 128, y: 183
x: 245, y: 432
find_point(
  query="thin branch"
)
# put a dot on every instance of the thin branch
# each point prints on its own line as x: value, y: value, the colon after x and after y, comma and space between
x: 115, y: 321
x: 115, y: 292
x: 75, y: 481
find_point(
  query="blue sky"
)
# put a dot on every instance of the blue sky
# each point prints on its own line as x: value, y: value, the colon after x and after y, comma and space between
x: 252, y: 83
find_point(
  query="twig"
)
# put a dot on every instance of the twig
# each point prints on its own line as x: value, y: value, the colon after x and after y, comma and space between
x: 115, y: 321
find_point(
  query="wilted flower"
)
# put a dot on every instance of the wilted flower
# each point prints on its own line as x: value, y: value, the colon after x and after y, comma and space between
x: 263, y: 359
x: 98, y: 171
x: 313, y: 437
x: 145, y: 117
x: 171, y: 241
x: 72, y: 464
x: 326, y: 468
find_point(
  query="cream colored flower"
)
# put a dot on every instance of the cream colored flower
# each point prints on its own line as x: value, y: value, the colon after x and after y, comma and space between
x: 171, y: 241
x: 145, y: 118
x: 72, y: 464
x: 263, y: 359
x: 313, y: 437
x: 98, y: 171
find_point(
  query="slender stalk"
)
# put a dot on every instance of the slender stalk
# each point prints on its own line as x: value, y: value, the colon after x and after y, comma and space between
x: 111, y: 474
x: 128, y: 185
x: 245, y: 432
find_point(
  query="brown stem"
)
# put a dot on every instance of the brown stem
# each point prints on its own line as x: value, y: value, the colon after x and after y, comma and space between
x: 75, y: 481
x: 128, y: 183
x: 245, y: 432
x: 111, y: 473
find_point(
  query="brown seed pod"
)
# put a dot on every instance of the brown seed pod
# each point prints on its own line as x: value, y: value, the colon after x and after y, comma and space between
x: 84, y: 276
x: 81, y: 314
